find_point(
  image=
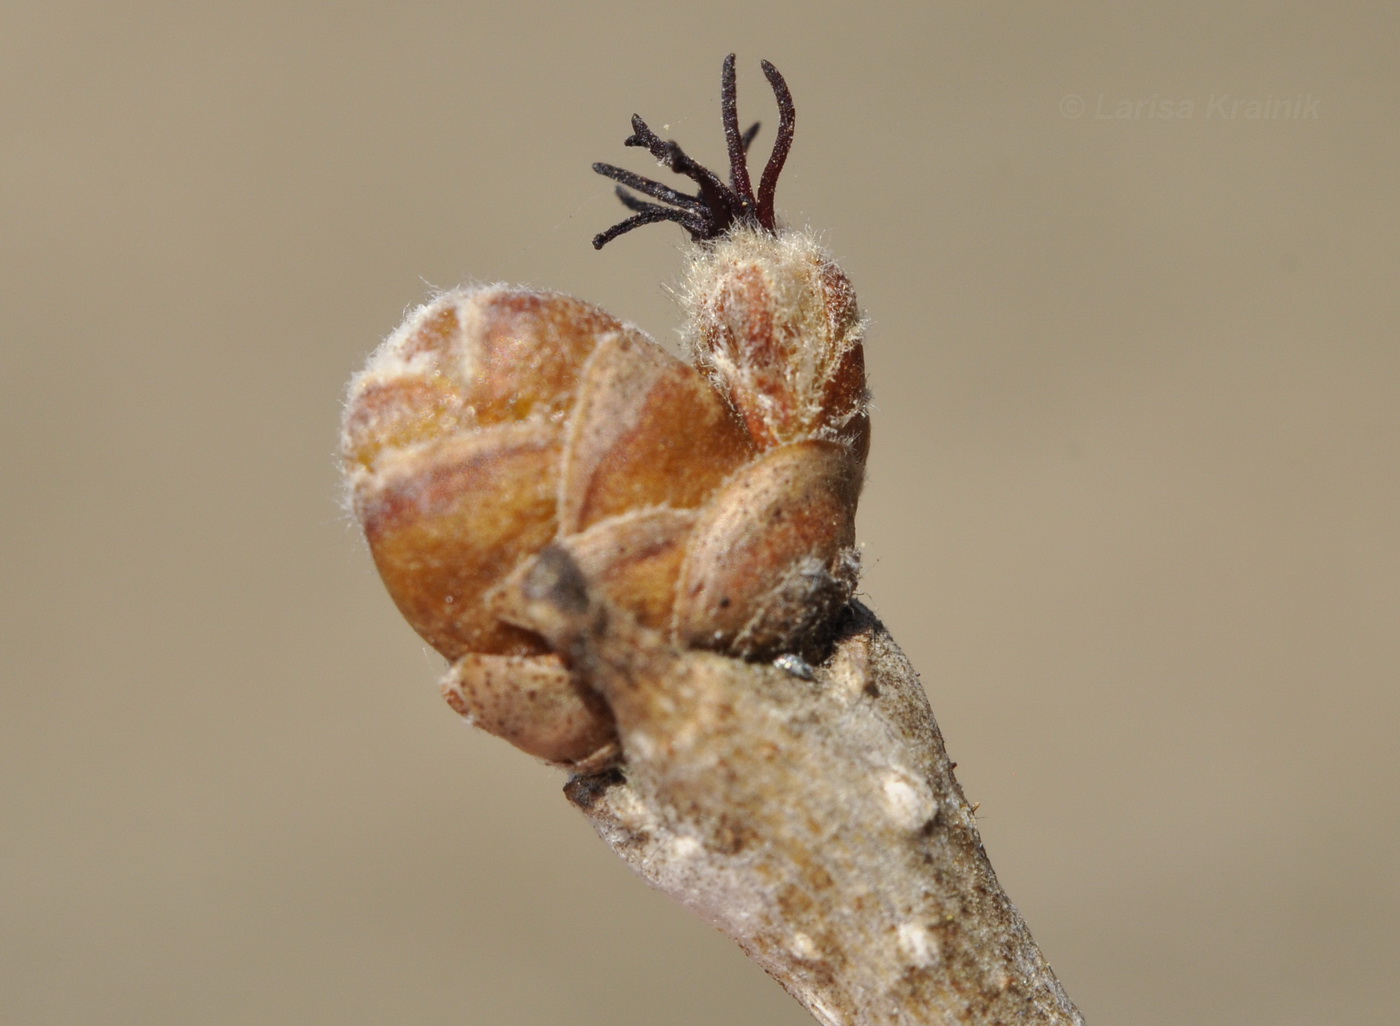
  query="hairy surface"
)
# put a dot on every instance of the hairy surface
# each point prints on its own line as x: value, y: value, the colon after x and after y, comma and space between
x: 815, y: 821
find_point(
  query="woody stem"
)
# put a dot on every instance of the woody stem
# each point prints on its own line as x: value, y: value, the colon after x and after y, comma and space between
x: 819, y: 825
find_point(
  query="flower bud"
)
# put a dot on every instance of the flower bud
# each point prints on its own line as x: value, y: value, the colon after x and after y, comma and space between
x: 501, y: 433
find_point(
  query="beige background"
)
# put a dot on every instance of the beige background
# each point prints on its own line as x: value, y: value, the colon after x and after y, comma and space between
x: 1132, y: 508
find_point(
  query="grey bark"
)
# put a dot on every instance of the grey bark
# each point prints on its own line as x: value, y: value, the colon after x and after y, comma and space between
x: 812, y: 817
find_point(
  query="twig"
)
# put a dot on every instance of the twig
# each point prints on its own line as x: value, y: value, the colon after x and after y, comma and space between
x: 815, y: 821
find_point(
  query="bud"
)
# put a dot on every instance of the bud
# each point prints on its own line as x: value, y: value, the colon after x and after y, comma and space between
x: 713, y: 504
x: 775, y: 322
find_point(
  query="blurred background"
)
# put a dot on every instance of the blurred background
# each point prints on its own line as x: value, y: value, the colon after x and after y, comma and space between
x: 1132, y: 507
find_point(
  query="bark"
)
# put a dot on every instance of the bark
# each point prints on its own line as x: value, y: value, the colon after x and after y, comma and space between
x: 810, y: 813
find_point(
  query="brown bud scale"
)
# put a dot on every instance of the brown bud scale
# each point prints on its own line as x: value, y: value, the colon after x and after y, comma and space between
x: 713, y: 502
